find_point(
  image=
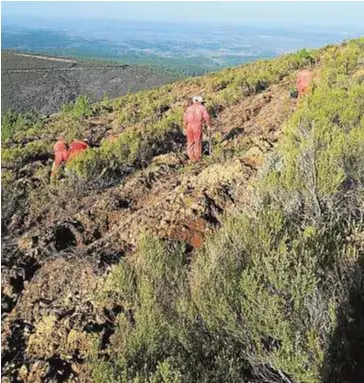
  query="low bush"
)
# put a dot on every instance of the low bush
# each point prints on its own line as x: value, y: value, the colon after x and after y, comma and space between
x: 275, y: 294
x: 81, y: 108
x: 132, y: 149
x: 20, y: 127
x: 33, y: 151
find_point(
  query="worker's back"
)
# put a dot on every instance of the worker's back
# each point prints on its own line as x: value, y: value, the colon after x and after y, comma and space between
x: 76, y: 147
x: 195, y: 115
x: 304, y: 79
x: 60, y: 147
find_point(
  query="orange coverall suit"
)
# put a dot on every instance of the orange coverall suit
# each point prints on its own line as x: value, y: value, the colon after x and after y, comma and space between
x: 60, y: 155
x: 304, y: 79
x: 76, y: 147
x: 194, y: 118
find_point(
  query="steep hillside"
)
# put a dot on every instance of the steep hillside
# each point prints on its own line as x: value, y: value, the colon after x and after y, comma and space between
x: 142, y: 267
x: 43, y: 84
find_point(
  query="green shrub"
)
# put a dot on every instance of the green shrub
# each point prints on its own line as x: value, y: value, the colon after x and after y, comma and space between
x: 8, y: 122
x: 149, y: 290
x: 20, y: 127
x: 81, y: 108
x: 22, y: 155
x: 305, y: 57
x: 7, y: 178
x: 132, y: 149
x: 324, y: 140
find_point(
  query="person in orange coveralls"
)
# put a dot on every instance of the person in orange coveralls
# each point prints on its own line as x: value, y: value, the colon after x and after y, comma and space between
x: 194, y: 118
x: 60, y: 155
x: 76, y: 147
x: 304, y: 79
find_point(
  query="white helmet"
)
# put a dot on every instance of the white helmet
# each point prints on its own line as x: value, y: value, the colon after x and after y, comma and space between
x: 197, y: 99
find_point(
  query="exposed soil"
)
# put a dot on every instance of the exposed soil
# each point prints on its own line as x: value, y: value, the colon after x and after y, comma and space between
x: 56, y: 254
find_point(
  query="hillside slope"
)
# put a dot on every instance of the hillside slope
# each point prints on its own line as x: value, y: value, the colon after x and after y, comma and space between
x: 42, y: 85
x: 143, y: 267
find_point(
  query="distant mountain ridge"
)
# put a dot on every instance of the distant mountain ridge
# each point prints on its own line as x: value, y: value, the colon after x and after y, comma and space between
x: 44, y: 84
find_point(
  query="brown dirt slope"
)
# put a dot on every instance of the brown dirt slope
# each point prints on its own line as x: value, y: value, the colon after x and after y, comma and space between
x: 58, y: 249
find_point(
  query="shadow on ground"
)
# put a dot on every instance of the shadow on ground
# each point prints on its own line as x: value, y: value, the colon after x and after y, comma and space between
x: 344, y: 361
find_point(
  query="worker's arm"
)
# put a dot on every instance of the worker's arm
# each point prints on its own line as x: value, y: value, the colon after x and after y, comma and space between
x: 56, y: 164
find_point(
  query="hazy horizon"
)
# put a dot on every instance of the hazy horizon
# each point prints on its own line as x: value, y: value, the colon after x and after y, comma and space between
x: 321, y: 15
x: 190, y: 37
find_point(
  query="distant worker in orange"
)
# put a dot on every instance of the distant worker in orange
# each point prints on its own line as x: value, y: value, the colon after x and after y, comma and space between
x: 304, y: 79
x: 60, y: 155
x: 77, y: 147
x: 194, y: 118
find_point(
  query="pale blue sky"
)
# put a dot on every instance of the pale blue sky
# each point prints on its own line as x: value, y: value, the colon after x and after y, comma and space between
x: 323, y: 14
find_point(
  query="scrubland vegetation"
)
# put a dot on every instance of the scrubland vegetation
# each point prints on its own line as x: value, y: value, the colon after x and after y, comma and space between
x: 276, y: 294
